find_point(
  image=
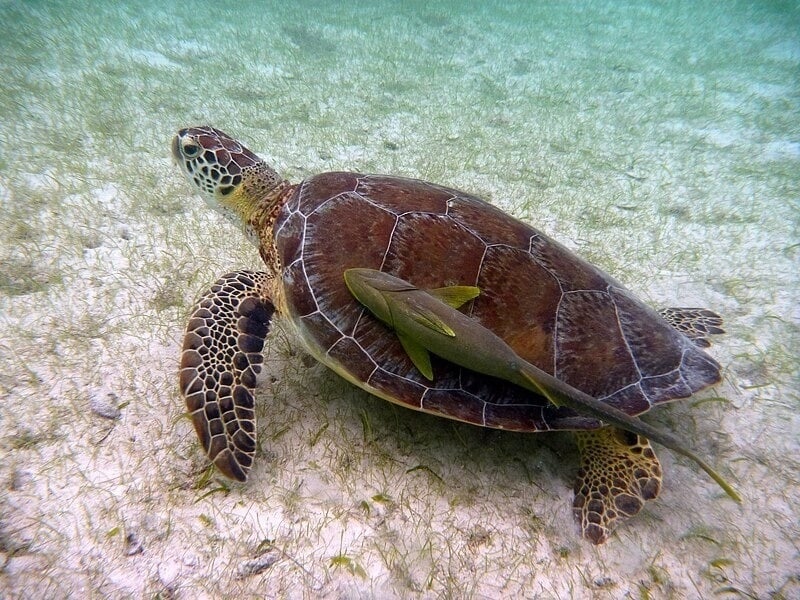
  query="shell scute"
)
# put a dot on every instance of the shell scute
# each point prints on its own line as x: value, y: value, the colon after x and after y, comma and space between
x: 571, y: 271
x: 385, y: 350
x: 343, y: 232
x: 698, y: 369
x: 591, y: 352
x: 408, y: 391
x: 320, y: 189
x: 298, y: 291
x: 512, y: 284
x: 400, y: 196
x: 347, y: 352
x: 456, y: 404
x: 658, y: 346
x: 290, y: 231
x: 669, y: 384
x: 434, y: 251
x: 324, y: 331
x: 492, y: 225
x: 512, y: 417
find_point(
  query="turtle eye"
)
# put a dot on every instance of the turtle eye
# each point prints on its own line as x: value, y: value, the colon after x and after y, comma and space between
x: 190, y: 149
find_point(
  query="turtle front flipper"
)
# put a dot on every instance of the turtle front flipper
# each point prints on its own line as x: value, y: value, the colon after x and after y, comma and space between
x: 619, y: 473
x: 695, y: 323
x: 220, y: 361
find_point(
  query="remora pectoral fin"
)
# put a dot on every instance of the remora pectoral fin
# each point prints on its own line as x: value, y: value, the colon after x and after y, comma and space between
x: 424, y: 316
x: 418, y: 355
x: 414, y: 309
x: 456, y: 295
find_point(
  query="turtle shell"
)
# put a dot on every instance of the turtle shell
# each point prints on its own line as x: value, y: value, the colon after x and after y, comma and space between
x: 556, y: 310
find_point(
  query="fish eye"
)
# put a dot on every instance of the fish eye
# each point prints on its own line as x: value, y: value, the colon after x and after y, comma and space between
x: 190, y: 149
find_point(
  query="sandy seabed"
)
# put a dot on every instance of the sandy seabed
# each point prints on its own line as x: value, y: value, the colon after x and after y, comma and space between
x: 662, y: 144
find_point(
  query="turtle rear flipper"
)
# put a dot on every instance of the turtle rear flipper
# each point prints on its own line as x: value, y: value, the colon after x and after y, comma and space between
x: 220, y: 361
x: 695, y: 323
x: 619, y: 473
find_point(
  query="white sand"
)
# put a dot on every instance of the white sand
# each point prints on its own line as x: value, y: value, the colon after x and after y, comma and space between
x: 663, y: 147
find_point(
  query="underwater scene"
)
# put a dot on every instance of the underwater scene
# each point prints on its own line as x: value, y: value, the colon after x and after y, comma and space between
x: 659, y: 141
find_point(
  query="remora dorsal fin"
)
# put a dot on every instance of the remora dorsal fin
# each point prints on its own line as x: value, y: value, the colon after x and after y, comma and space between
x: 456, y: 295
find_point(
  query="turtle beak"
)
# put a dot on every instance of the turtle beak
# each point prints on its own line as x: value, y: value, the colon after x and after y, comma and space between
x: 176, y: 150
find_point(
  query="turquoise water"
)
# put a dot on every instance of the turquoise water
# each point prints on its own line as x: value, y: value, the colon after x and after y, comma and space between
x: 659, y: 140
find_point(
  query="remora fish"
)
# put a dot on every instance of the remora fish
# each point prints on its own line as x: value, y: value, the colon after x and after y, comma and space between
x: 428, y: 321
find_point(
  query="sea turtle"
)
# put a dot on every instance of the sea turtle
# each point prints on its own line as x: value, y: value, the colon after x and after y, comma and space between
x: 554, y: 309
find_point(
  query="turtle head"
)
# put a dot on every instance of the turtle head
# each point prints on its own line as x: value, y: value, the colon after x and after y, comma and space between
x: 230, y: 178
